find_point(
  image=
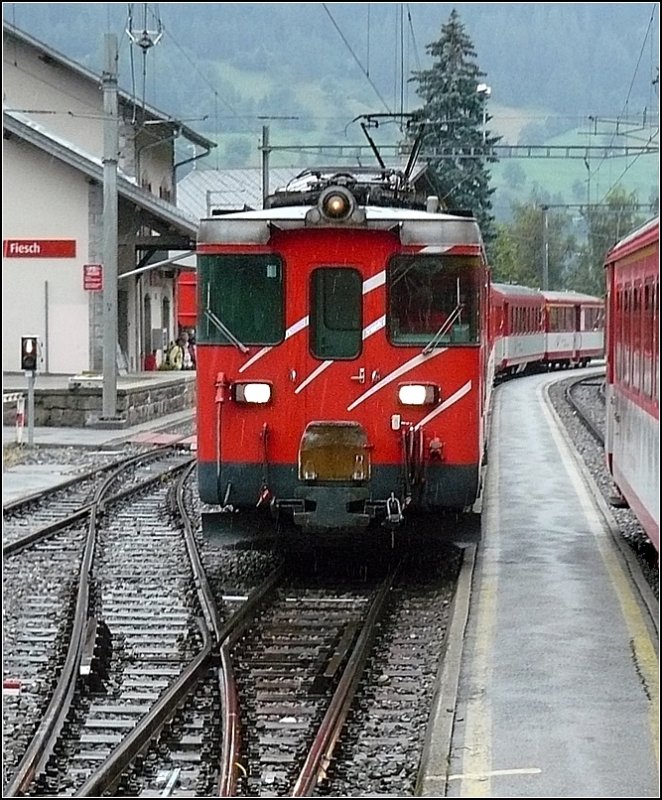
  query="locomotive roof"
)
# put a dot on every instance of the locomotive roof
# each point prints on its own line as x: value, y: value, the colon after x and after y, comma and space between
x: 642, y: 236
x: 573, y: 297
x: 298, y: 212
x: 414, y: 226
x: 382, y: 199
x: 515, y: 289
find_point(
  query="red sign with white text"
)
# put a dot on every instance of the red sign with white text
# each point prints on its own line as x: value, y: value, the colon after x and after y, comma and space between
x: 39, y: 248
x: 92, y: 277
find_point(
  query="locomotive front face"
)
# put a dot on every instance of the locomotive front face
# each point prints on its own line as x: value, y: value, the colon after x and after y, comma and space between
x: 340, y: 363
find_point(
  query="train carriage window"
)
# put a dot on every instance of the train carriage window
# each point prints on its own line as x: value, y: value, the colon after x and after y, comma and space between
x: 335, y: 313
x: 240, y: 299
x: 655, y: 377
x: 636, y: 337
x: 593, y: 319
x: 554, y: 324
x: 627, y: 344
x: 647, y: 341
x: 433, y: 300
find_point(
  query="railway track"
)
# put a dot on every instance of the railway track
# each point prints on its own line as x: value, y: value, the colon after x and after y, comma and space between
x: 230, y: 688
x: 83, y: 620
x: 587, y: 397
x: 157, y: 673
x: 44, y: 513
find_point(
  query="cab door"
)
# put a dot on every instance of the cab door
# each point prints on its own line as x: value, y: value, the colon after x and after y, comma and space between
x: 335, y: 437
x: 335, y: 313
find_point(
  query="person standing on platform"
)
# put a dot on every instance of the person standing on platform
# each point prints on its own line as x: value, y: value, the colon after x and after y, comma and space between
x: 187, y: 356
x: 175, y: 359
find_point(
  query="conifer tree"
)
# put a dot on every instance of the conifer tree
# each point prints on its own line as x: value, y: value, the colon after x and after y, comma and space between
x: 455, y: 138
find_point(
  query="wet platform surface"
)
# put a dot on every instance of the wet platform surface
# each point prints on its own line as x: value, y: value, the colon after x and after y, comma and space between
x: 551, y: 687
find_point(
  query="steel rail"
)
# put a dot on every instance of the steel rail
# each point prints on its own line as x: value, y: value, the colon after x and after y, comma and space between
x: 40, y: 748
x: 319, y: 754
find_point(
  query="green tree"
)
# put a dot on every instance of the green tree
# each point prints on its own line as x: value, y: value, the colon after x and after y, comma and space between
x: 605, y: 224
x: 535, y: 237
x: 455, y: 118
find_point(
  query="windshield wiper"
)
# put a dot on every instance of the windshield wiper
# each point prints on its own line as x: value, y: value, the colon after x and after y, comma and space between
x: 225, y: 330
x: 455, y: 313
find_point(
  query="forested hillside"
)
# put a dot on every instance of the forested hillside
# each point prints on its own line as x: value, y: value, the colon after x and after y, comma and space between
x: 567, y: 58
x: 308, y: 69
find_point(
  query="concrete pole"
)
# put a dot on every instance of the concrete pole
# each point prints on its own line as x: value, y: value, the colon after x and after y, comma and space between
x: 110, y: 239
x: 545, y: 249
x: 30, y: 408
x: 265, y: 163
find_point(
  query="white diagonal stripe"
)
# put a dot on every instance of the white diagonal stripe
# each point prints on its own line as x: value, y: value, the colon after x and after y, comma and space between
x: 414, y: 362
x: 446, y: 404
x: 298, y: 326
x: 312, y: 376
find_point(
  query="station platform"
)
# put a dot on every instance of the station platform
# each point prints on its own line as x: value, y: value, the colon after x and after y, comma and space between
x: 550, y: 687
x: 76, y: 401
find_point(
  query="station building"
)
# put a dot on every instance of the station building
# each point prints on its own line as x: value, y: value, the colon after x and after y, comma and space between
x: 53, y: 226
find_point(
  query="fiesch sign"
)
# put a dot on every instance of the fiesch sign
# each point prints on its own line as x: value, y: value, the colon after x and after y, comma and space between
x: 39, y: 248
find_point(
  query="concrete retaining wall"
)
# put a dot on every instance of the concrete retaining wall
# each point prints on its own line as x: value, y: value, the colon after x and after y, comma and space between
x: 81, y: 406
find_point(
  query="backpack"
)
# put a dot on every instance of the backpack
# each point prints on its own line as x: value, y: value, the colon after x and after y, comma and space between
x: 174, y: 356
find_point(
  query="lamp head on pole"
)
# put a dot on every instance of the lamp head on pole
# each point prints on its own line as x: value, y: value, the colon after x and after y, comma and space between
x: 484, y: 91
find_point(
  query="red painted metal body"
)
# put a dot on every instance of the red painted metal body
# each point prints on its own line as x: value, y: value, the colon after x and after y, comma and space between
x: 363, y: 389
x: 186, y: 300
x: 633, y: 378
x: 413, y: 456
x: 391, y: 422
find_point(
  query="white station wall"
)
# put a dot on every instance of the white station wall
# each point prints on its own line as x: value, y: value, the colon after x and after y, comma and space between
x: 45, y: 296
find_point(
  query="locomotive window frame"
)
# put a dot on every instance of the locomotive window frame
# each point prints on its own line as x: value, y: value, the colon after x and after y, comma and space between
x: 433, y: 297
x: 336, y: 313
x: 245, y: 292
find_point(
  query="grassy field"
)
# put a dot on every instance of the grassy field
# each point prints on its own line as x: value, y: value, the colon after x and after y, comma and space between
x: 576, y: 180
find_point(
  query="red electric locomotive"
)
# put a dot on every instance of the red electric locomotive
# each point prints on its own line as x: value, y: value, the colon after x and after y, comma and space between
x: 632, y: 442
x: 341, y: 355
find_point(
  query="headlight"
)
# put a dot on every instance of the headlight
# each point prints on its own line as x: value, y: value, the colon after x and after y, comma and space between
x: 252, y: 392
x: 336, y: 203
x: 418, y: 394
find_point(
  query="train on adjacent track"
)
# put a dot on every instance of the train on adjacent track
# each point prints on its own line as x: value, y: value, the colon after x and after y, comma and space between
x: 632, y: 442
x: 348, y: 339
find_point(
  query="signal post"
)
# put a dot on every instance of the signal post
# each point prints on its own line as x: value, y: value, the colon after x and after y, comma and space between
x: 29, y: 363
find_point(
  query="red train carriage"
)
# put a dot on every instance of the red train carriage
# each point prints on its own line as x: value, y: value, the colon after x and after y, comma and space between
x: 633, y: 379
x: 532, y: 329
x: 341, y: 355
x: 516, y: 325
x: 574, y: 328
x: 186, y: 300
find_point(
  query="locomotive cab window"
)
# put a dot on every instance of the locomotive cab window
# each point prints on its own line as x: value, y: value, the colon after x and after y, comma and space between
x: 335, y: 313
x: 433, y: 300
x: 241, y: 299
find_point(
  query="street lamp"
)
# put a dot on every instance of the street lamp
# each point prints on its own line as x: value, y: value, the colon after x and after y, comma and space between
x: 484, y: 91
